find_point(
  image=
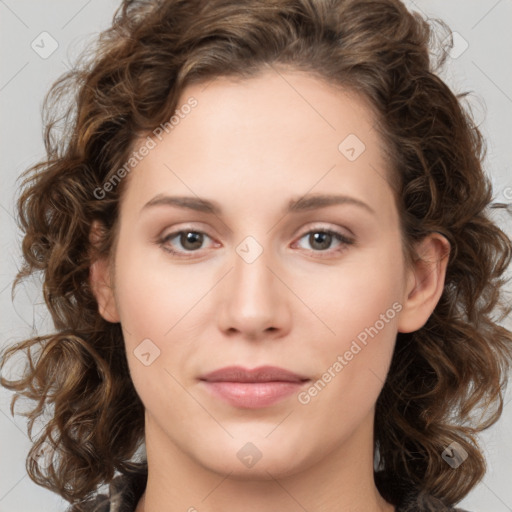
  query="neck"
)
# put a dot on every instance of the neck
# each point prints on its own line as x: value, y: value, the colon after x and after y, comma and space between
x: 339, y: 480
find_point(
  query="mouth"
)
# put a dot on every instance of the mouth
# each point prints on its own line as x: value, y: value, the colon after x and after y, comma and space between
x: 253, y: 388
x: 260, y: 374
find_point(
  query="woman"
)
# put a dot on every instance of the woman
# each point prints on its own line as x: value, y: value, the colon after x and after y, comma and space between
x: 270, y: 263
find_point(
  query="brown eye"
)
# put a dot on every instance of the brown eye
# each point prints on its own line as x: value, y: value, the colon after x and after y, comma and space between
x: 183, y: 242
x: 320, y: 240
x: 191, y: 240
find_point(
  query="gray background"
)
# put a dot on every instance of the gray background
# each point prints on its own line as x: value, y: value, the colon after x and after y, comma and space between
x: 483, y: 68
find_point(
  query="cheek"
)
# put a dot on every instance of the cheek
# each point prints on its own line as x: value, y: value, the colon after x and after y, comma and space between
x: 355, y: 295
x: 359, y: 307
x: 353, y: 363
x: 156, y: 301
x: 153, y: 295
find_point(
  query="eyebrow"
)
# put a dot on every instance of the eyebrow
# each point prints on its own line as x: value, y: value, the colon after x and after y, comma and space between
x: 304, y: 203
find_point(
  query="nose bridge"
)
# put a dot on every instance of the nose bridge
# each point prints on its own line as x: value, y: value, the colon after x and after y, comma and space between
x: 252, y: 278
x: 255, y: 300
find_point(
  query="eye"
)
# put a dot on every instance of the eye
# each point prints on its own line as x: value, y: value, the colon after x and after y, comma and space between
x: 192, y: 241
x: 321, y: 240
x: 189, y: 240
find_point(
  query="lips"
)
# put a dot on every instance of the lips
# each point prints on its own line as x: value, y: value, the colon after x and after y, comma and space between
x: 252, y: 389
x: 260, y: 374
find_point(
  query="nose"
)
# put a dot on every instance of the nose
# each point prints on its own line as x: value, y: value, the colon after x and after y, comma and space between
x: 254, y: 300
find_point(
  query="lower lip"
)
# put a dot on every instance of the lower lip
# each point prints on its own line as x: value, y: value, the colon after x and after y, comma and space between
x: 253, y: 395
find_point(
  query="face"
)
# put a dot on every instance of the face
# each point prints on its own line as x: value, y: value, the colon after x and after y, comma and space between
x: 254, y: 278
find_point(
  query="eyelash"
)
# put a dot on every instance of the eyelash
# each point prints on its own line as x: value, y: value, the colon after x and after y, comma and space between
x: 344, y: 241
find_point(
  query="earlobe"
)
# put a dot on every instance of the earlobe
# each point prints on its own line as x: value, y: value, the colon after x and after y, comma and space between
x: 100, y: 281
x: 425, y: 283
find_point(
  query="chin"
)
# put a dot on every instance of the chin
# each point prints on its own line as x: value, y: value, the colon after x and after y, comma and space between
x: 256, y: 457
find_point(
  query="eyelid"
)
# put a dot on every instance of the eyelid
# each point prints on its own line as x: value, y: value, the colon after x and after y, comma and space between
x: 176, y: 230
x: 330, y: 229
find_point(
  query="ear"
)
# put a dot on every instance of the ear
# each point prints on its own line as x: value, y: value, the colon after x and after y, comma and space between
x: 425, y: 282
x: 100, y: 279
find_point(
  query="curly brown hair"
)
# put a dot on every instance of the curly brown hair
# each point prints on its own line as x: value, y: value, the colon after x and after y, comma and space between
x: 442, y: 373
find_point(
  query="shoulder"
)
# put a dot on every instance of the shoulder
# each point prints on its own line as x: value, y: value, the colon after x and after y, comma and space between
x: 422, y: 502
x: 123, y: 495
x: 408, y: 498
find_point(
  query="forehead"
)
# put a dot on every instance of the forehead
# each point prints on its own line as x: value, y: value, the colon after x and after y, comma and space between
x: 277, y: 133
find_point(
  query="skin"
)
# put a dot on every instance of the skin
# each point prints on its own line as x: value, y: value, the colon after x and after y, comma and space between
x: 252, y: 146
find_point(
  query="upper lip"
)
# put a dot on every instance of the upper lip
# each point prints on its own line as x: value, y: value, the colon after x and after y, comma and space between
x: 260, y: 374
